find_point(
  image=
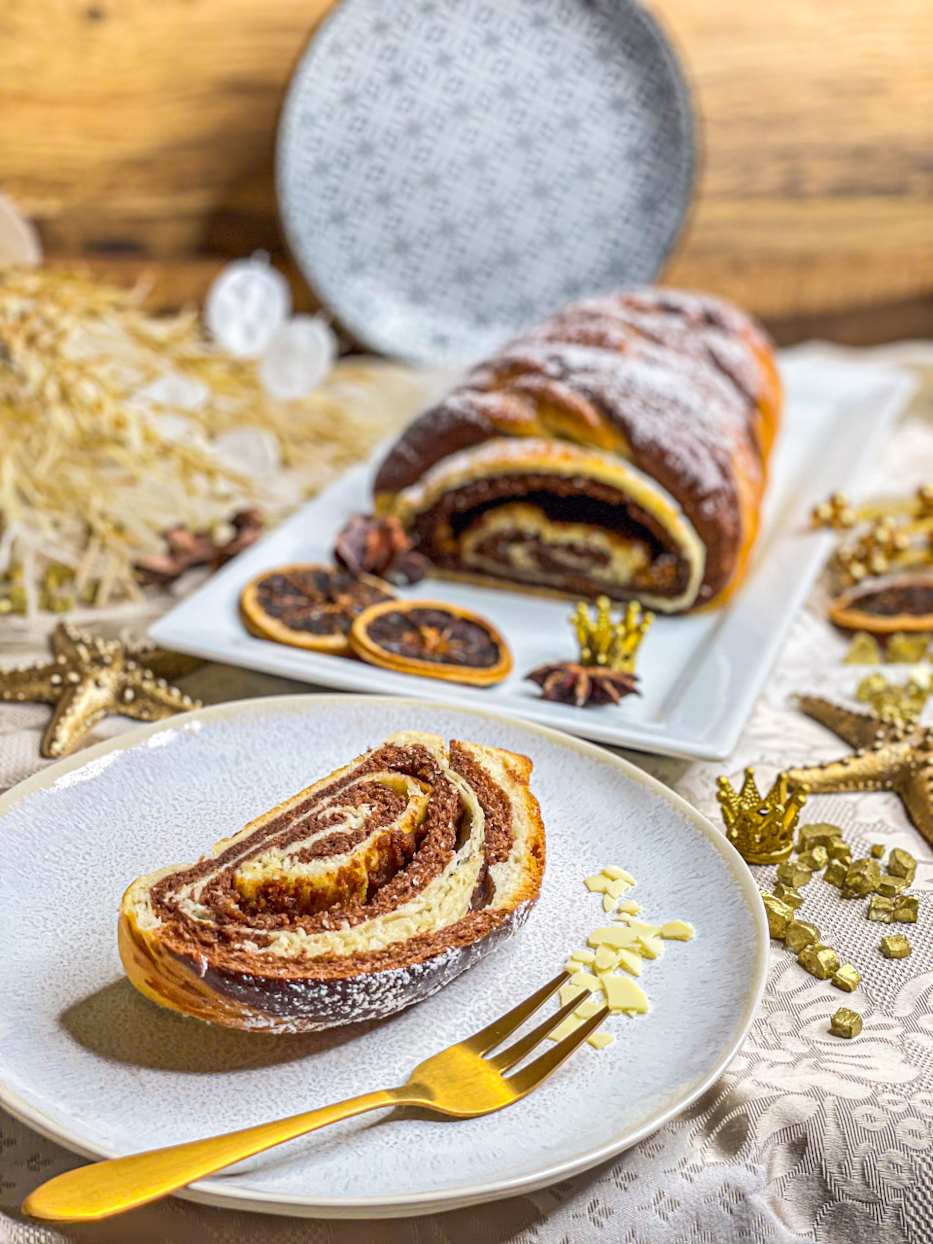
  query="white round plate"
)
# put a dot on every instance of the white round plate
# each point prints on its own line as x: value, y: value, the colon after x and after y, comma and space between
x: 449, y: 171
x: 89, y: 1062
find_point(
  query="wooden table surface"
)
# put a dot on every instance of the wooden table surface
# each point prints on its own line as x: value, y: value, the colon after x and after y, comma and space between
x: 143, y: 130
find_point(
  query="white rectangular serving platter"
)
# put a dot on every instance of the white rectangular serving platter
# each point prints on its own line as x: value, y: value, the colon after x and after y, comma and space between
x: 699, y: 675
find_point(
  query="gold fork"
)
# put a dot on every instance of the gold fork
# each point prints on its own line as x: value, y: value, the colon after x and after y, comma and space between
x: 459, y: 1081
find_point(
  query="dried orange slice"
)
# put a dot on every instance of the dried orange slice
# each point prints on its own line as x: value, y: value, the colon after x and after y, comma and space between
x: 432, y: 638
x: 887, y: 605
x: 309, y: 606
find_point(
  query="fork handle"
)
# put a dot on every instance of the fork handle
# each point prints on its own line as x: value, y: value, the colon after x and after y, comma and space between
x: 105, y: 1188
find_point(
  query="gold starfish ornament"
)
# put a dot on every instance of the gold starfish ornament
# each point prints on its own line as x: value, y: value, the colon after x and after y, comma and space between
x: 90, y: 678
x: 889, y: 755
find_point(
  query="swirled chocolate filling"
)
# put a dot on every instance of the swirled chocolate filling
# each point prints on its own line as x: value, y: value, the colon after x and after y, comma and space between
x: 400, y: 858
x: 638, y: 556
x: 386, y: 879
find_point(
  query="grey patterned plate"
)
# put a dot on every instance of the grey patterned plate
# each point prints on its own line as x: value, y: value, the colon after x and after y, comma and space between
x: 449, y: 171
x: 88, y: 1061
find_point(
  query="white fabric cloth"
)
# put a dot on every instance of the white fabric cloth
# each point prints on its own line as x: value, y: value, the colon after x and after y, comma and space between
x: 806, y: 1136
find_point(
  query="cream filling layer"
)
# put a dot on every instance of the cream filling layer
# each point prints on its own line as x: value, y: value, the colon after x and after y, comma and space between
x: 571, y: 545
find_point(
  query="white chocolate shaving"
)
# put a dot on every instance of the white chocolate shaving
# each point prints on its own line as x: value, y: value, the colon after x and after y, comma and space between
x: 615, y: 935
x: 605, y: 958
x: 630, y: 960
x: 623, y: 994
x: 585, y: 979
x: 600, y: 1039
x: 628, y: 907
x: 597, y: 883
x: 615, y: 889
x: 618, y: 874
x: 618, y: 953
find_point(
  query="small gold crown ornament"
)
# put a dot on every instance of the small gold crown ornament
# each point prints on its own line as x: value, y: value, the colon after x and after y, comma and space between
x: 613, y: 645
x: 761, y: 827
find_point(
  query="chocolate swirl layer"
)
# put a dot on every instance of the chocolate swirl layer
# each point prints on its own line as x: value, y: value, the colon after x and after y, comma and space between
x: 357, y: 897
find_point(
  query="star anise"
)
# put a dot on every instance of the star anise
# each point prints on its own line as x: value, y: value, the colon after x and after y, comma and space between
x: 568, y: 682
x: 187, y: 548
x: 379, y: 546
x: 444, y: 644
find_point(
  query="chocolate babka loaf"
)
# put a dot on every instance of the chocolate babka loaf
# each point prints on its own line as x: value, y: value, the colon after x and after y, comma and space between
x: 617, y: 449
x: 357, y: 897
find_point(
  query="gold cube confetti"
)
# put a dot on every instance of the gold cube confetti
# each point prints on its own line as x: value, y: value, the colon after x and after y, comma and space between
x: 890, y: 886
x: 787, y: 894
x: 896, y: 946
x: 881, y: 908
x: 865, y: 866
x: 820, y: 961
x: 819, y: 834
x: 877, y: 850
x: 862, y: 877
x: 792, y: 874
x: 839, y: 850
x: 845, y: 1023
x: 800, y: 934
x: 835, y: 872
x: 902, y: 864
x: 847, y: 978
x: 863, y: 650
x: 906, y: 907
x: 906, y: 649
x: 814, y: 859
x: 779, y: 914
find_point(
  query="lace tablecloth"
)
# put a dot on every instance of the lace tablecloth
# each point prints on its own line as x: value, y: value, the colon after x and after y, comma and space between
x: 806, y: 1137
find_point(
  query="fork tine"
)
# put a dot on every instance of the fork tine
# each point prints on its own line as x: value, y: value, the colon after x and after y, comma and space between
x: 503, y: 1027
x: 529, y: 1077
x: 514, y: 1053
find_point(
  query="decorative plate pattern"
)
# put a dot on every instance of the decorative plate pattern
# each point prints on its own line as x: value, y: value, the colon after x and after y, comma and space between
x: 77, y: 1042
x: 449, y: 171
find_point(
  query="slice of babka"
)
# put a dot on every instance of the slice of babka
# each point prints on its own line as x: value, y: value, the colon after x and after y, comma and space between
x: 364, y: 893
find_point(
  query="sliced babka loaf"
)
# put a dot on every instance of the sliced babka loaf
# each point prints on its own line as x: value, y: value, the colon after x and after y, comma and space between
x: 355, y: 898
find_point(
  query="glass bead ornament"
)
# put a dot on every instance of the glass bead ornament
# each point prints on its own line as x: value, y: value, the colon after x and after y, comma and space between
x: 246, y: 305
x: 19, y: 241
x: 298, y: 358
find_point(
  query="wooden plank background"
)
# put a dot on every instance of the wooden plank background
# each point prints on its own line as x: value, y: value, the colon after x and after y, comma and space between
x: 139, y: 130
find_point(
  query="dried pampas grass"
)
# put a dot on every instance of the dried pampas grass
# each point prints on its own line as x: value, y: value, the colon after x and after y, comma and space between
x: 115, y: 425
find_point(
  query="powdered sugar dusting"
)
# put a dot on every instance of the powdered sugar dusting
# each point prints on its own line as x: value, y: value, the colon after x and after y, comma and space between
x: 679, y: 375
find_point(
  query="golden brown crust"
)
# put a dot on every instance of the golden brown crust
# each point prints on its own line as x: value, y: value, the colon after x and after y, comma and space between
x: 416, y: 658
x: 685, y: 387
